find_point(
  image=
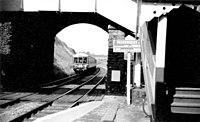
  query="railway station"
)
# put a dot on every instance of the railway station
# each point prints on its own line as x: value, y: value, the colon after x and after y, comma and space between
x: 150, y: 73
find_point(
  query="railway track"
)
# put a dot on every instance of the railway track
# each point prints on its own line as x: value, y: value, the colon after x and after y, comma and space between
x: 10, y: 98
x: 43, y: 104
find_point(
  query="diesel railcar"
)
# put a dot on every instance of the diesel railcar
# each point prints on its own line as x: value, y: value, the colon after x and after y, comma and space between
x: 83, y: 63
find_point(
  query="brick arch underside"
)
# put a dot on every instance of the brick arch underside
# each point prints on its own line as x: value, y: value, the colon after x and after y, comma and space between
x: 30, y: 62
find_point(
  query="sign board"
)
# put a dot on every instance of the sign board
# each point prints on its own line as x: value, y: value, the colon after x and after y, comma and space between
x: 126, y: 46
x: 115, y: 76
x: 118, y: 49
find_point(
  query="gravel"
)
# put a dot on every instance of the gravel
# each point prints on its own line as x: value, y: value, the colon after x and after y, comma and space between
x: 16, y: 110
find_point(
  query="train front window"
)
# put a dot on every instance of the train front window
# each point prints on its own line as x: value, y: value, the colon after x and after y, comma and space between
x: 84, y: 60
x: 80, y: 60
x: 75, y: 60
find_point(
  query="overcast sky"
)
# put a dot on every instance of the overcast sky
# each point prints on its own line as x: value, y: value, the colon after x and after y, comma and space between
x: 86, y: 37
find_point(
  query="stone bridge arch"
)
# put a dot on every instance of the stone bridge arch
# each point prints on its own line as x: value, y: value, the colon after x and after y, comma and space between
x: 32, y: 46
x: 60, y: 20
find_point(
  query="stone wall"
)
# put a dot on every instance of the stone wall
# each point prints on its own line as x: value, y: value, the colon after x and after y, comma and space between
x: 115, y: 63
x: 30, y: 62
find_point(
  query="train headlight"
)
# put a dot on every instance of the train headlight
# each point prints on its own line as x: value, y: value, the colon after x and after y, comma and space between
x: 80, y: 66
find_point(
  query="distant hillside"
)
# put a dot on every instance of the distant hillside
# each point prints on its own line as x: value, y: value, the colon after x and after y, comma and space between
x: 63, y: 59
x: 101, y: 60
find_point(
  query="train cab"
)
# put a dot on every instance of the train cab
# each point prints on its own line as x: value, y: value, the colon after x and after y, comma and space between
x: 83, y: 62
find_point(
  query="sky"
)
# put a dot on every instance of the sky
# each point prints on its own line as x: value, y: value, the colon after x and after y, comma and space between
x: 85, y: 38
x: 94, y: 39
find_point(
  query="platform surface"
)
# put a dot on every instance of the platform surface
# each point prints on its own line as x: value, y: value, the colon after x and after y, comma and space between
x: 110, y: 109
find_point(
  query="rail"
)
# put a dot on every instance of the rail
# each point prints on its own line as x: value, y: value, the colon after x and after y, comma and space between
x: 19, y: 99
x: 35, y: 110
x: 84, y: 96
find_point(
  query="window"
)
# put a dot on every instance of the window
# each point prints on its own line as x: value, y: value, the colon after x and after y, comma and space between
x: 75, y: 60
x: 80, y: 60
x: 84, y: 60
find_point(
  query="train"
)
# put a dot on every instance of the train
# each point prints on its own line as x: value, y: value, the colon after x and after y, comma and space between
x: 83, y: 63
x: 170, y: 50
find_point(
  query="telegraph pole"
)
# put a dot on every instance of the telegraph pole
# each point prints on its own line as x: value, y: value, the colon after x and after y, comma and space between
x: 137, y: 76
x: 137, y: 64
x: 59, y: 5
x: 95, y: 9
x: 22, y: 5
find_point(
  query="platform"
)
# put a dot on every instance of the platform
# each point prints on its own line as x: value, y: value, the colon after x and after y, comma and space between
x: 110, y: 109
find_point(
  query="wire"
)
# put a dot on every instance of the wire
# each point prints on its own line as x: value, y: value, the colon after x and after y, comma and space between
x: 143, y: 107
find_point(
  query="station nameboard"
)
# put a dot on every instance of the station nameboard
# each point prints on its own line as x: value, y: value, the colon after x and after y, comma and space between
x: 126, y: 46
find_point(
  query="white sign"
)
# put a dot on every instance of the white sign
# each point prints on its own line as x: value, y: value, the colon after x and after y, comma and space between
x: 119, y: 49
x: 115, y: 76
x: 126, y: 46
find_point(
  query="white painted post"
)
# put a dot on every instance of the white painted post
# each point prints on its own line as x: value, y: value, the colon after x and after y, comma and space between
x: 137, y: 76
x: 128, y: 87
x: 161, y: 42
